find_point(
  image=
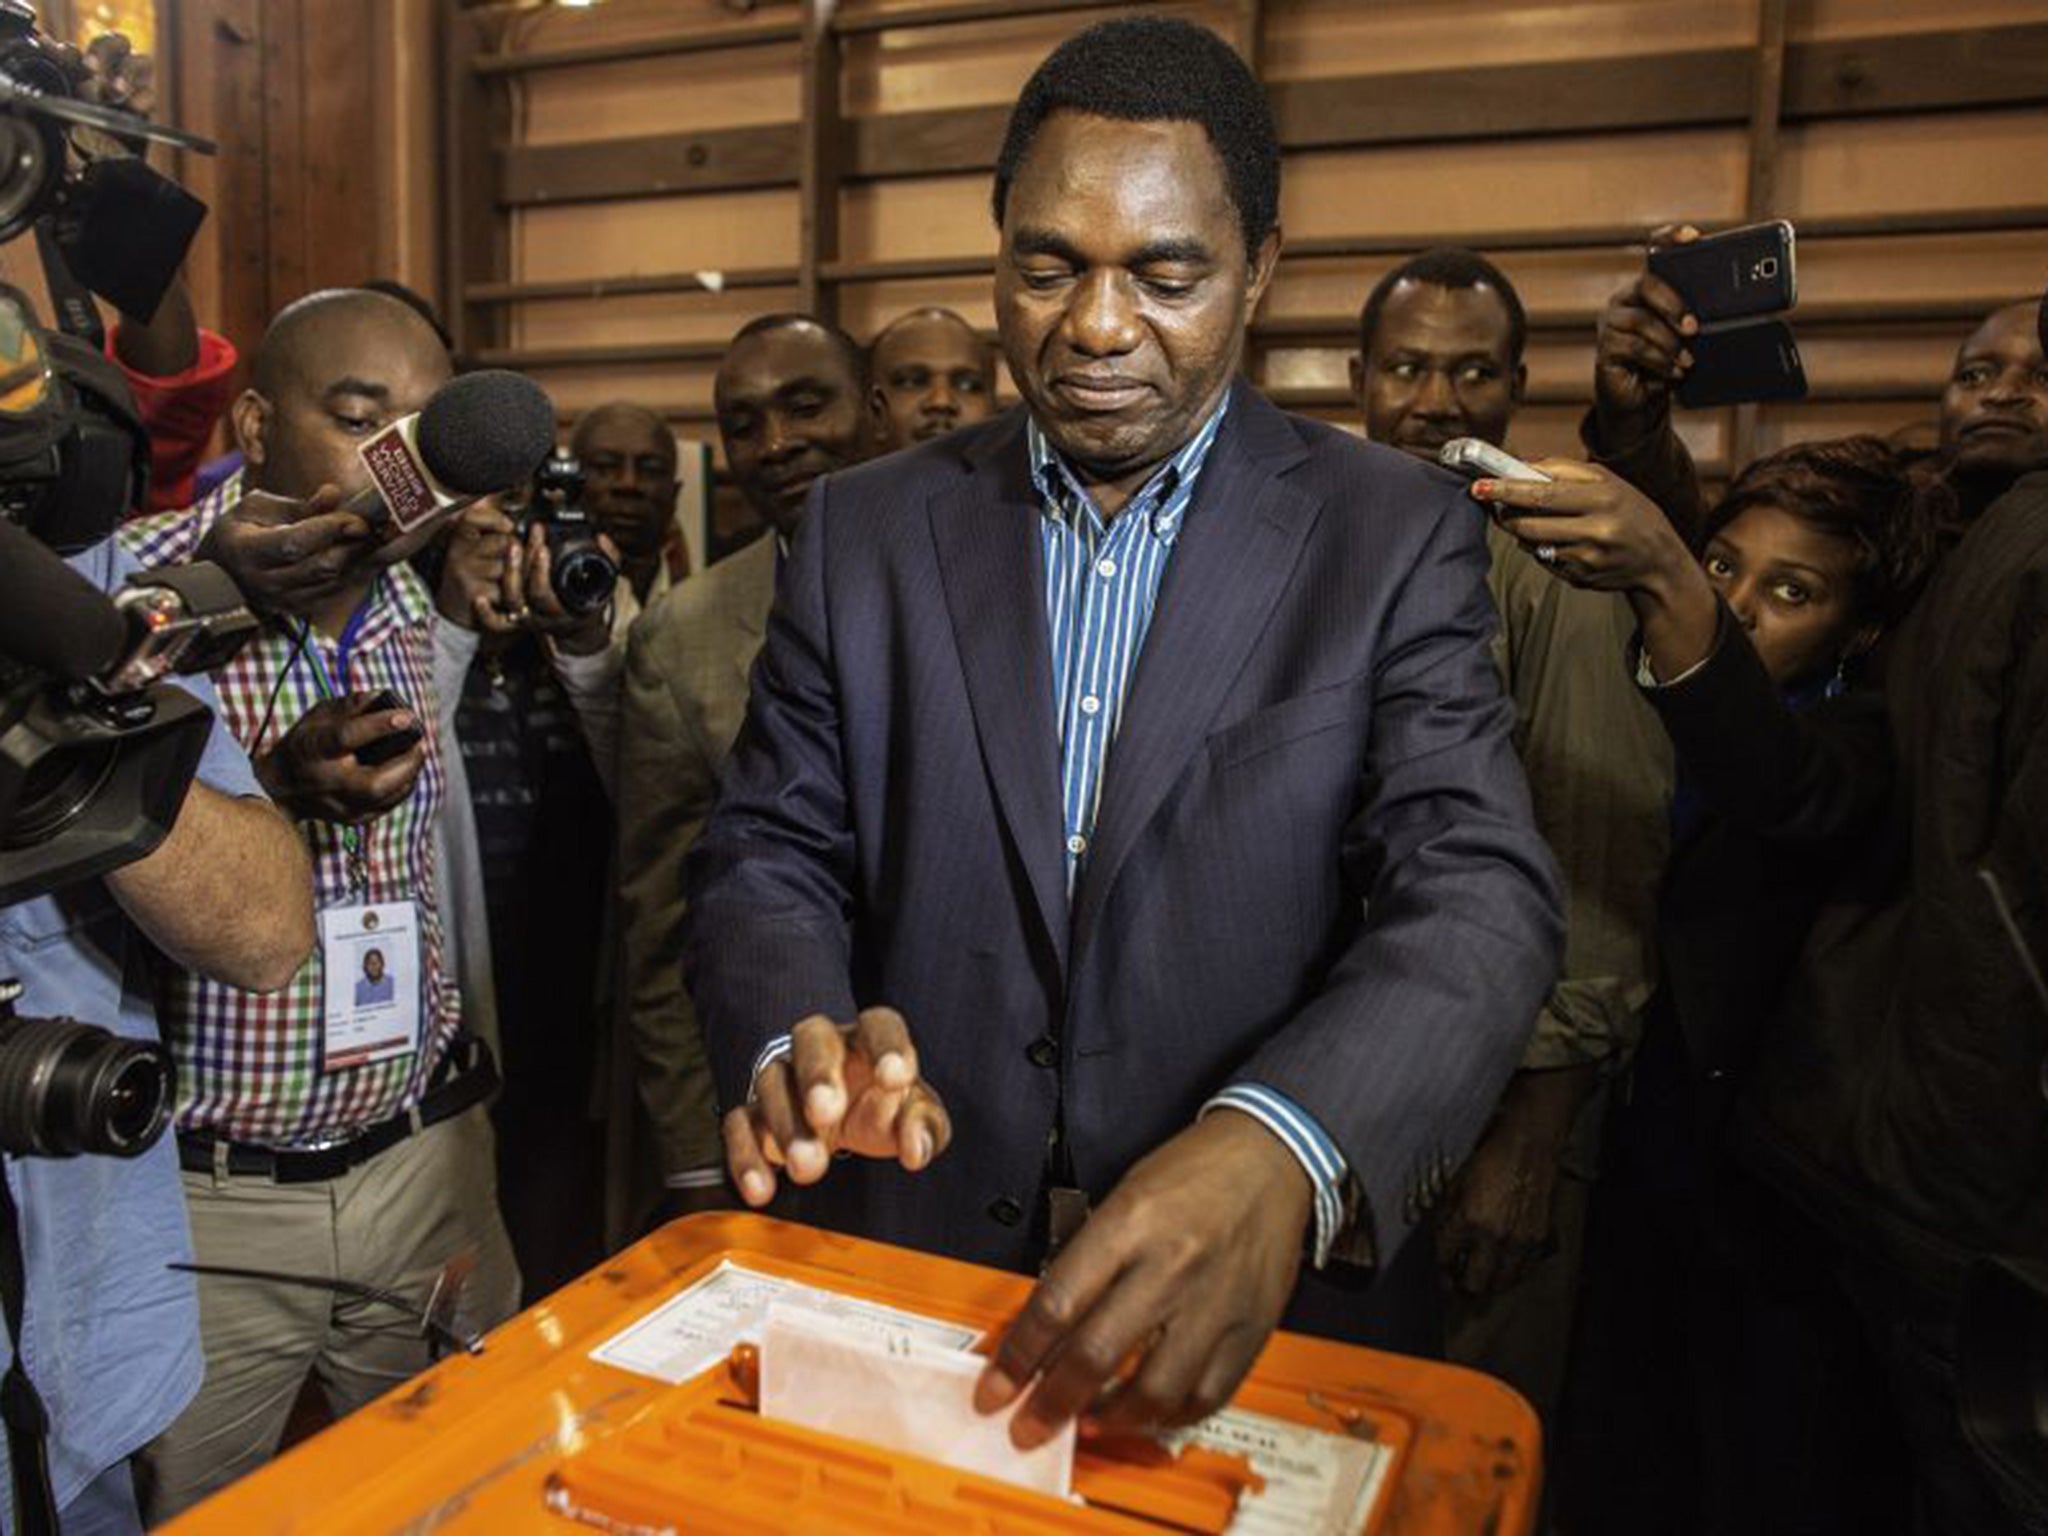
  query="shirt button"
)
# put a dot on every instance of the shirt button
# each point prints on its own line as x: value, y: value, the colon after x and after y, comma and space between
x: 1106, y: 569
x: 1077, y: 845
x: 1091, y: 705
x: 1006, y: 1211
x: 1042, y: 1052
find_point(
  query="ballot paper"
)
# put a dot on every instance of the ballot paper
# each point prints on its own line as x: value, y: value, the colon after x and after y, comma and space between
x: 1317, y: 1483
x: 892, y: 1388
x: 697, y: 1329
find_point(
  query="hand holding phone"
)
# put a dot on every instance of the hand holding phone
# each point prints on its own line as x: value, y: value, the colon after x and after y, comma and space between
x: 1477, y: 459
x: 1738, y: 274
x: 391, y: 744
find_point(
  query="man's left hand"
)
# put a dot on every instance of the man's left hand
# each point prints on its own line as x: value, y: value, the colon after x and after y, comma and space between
x: 1184, y: 1272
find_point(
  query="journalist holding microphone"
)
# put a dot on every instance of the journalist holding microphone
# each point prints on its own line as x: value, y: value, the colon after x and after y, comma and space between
x: 1117, y: 777
x: 321, y: 1136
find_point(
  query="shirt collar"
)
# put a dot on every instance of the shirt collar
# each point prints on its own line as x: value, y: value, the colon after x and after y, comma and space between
x: 1158, y: 501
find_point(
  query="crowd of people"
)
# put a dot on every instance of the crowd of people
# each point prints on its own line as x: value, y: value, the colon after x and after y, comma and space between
x: 1578, y: 926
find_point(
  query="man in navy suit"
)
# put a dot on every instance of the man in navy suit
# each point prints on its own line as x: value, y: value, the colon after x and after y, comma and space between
x: 1125, y: 824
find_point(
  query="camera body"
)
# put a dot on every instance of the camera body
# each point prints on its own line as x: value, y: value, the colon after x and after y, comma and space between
x: 583, y: 575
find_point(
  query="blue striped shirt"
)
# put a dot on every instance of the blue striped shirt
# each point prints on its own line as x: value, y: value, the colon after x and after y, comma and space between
x: 1101, y: 585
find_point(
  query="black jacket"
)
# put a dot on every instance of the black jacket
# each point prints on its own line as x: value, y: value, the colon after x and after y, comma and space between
x: 1900, y: 1097
x: 1772, y: 802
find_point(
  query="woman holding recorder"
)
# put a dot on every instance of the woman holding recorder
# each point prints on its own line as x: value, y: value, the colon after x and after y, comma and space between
x: 1716, y: 1369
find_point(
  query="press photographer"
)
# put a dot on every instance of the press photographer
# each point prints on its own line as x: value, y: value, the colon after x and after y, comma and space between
x: 216, y: 882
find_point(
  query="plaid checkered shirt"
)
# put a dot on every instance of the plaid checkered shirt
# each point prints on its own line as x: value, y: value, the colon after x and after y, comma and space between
x: 248, y: 1064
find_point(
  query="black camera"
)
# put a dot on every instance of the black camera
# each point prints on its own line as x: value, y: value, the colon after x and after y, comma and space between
x: 96, y: 750
x: 583, y: 574
x: 119, y: 227
x: 68, y: 1088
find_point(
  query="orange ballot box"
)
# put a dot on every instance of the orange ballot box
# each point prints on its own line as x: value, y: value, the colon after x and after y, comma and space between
x: 735, y: 1374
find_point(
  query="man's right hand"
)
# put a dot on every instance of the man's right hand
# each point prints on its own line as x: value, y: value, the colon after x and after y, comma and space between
x: 312, y: 772
x: 841, y: 1088
x: 290, y: 557
x: 1641, y: 353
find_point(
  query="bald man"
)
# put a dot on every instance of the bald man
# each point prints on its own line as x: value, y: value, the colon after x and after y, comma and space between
x: 930, y: 372
x: 318, y: 1137
x: 790, y: 408
x: 629, y: 453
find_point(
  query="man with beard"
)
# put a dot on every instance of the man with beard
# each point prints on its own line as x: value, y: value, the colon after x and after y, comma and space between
x: 1124, y: 863
x: 790, y: 409
x: 1440, y: 357
x: 930, y: 373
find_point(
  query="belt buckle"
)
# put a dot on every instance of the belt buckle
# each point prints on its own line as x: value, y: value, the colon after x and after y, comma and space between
x: 311, y: 1165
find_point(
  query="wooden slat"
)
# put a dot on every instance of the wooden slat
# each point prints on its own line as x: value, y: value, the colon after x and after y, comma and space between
x: 1671, y: 90
x: 1917, y: 72
x: 821, y: 159
x: 964, y: 12
x: 1700, y: 87
x: 1760, y: 182
x: 476, y: 234
x: 1313, y: 330
x: 939, y: 143
x: 1846, y: 391
x: 658, y: 165
x: 628, y: 286
x: 746, y: 34
x: 598, y: 357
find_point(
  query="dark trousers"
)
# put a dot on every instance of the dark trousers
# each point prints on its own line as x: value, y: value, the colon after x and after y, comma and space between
x: 1399, y: 1308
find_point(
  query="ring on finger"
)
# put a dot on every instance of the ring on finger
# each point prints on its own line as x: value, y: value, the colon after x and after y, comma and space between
x: 1546, y: 554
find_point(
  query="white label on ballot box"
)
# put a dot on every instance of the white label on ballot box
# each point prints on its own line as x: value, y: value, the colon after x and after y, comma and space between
x: 696, y: 1330
x: 1317, y: 1483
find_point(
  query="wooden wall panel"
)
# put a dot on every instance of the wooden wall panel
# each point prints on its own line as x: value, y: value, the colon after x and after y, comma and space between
x: 936, y: 95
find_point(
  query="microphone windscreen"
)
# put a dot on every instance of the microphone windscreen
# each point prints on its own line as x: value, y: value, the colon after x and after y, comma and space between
x: 486, y: 431
x: 52, y: 618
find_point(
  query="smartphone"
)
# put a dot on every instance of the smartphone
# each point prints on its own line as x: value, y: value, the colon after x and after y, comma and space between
x: 374, y: 754
x: 1740, y: 364
x: 1735, y: 275
x: 1477, y: 459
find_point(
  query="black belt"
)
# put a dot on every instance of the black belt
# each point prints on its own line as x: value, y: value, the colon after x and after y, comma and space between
x: 466, y: 1077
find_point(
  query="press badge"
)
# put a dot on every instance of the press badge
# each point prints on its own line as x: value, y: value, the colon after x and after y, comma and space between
x: 372, y: 960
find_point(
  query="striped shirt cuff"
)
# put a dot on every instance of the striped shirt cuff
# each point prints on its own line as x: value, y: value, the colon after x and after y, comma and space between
x: 1311, y: 1146
x: 696, y: 1178
x: 771, y: 1053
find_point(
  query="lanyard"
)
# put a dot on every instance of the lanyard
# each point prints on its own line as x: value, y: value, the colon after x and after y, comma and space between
x: 334, y: 685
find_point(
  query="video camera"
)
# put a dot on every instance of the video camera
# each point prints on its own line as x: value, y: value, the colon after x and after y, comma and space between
x: 97, y: 751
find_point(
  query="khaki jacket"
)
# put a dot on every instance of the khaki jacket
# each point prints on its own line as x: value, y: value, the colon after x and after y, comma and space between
x: 687, y: 664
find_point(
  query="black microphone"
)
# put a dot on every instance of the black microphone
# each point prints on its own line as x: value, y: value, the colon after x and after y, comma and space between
x: 52, y: 618
x: 479, y: 434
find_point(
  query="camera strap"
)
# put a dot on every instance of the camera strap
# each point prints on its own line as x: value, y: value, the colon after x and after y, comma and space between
x: 21, y: 1406
x: 77, y: 315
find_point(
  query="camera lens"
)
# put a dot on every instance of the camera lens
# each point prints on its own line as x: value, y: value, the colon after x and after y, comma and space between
x: 56, y: 790
x: 584, y: 576
x: 67, y: 1088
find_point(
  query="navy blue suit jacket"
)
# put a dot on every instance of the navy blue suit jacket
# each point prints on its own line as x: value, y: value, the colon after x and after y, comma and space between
x: 1314, y: 866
